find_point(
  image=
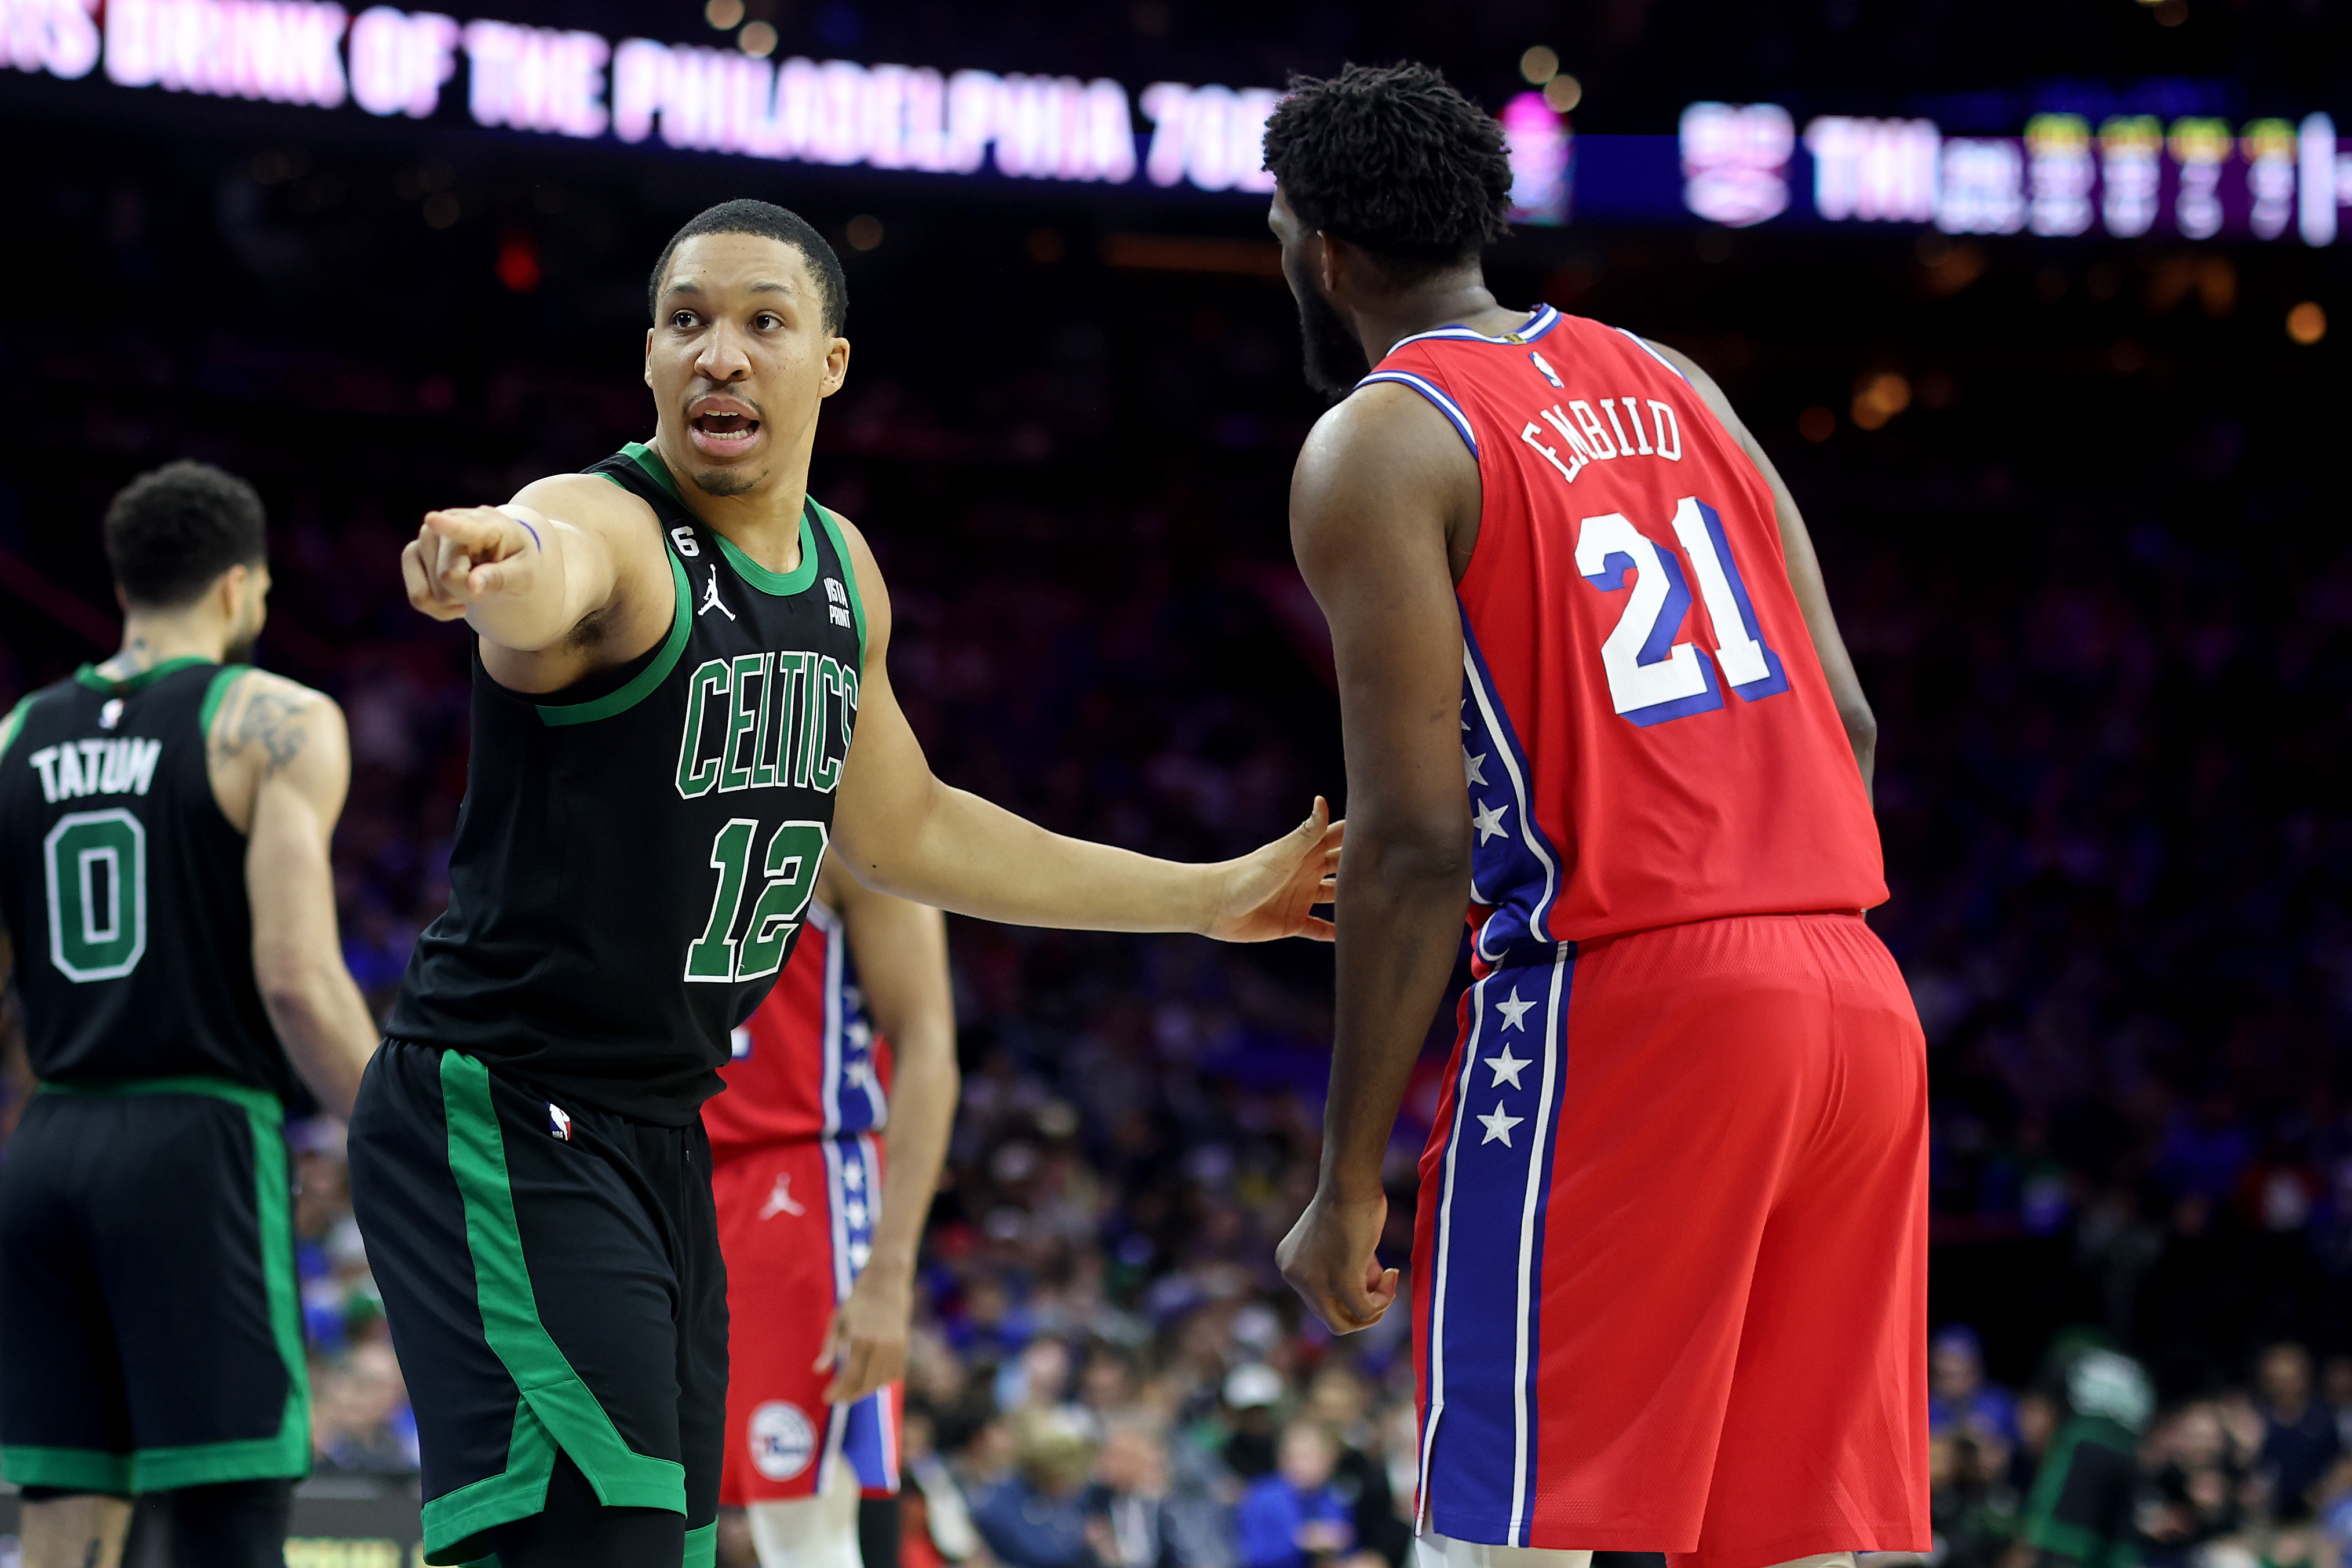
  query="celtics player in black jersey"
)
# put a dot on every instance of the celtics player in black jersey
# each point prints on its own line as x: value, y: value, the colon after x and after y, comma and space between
x: 681, y: 706
x: 168, y: 908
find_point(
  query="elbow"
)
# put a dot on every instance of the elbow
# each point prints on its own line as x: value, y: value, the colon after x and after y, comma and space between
x: 1417, y: 856
x: 1861, y: 725
x: 293, y: 984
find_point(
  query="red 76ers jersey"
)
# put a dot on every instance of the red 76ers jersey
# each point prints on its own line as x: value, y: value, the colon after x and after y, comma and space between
x: 807, y: 1063
x: 1647, y: 735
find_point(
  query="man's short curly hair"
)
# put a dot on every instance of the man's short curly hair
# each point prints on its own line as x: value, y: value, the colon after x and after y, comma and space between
x: 1394, y: 161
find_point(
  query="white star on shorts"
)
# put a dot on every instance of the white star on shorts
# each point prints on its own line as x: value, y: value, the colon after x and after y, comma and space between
x: 1514, y: 1012
x: 1488, y: 821
x: 1508, y: 1066
x: 1498, y: 1125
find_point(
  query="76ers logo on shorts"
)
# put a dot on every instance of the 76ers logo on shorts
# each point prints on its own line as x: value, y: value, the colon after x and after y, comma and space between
x: 782, y: 1441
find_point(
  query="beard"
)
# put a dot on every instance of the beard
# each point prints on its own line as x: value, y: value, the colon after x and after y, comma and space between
x: 1335, y: 356
x: 727, y: 481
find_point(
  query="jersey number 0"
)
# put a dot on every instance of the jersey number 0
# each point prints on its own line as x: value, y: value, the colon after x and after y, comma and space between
x: 96, y: 863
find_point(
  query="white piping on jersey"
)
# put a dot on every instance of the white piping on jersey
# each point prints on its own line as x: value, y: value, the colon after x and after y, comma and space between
x: 1537, y: 1146
x: 1639, y: 343
x: 1541, y: 319
x: 829, y: 1085
x: 1429, y: 389
x: 1487, y: 709
x: 1421, y: 1521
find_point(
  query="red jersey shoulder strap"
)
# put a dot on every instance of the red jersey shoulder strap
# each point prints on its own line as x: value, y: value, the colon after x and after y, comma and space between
x: 1542, y: 320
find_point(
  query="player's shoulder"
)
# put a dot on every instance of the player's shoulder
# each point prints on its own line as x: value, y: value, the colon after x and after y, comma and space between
x: 247, y: 709
x: 590, y: 498
x: 1381, y: 431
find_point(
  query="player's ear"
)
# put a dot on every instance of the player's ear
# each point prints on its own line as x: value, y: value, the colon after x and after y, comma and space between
x: 1329, y: 267
x: 837, y: 366
x: 649, y: 356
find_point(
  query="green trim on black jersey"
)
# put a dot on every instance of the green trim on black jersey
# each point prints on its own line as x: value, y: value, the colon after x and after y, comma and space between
x: 11, y: 725
x: 777, y: 583
x: 646, y: 457
x: 640, y: 685
x: 554, y: 1395
x: 832, y: 521
x: 88, y: 675
x: 701, y: 1546
x: 286, y: 1454
x: 781, y: 584
x: 216, y: 693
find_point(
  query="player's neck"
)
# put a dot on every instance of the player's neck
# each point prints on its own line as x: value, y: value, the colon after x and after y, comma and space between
x: 1456, y: 299
x: 764, y: 521
x: 151, y: 637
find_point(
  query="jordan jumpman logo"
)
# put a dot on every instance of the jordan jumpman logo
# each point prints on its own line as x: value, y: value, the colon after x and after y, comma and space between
x: 780, y: 1201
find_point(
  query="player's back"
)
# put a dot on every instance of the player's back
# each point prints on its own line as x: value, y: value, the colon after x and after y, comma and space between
x: 1647, y: 734
x: 807, y: 1063
x: 123, y: 886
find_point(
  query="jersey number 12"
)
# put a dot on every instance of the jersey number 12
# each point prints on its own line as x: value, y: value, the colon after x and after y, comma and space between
x: 795, y: 850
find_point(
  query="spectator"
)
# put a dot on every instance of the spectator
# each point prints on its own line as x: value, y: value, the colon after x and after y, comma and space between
x: 1038, y: 1518
x: 2299, y: 1438
x: 1295, y: 1517
x: 1127, y: 1524
x: 1338, y: 1401
x: 1957, y: 1393
x: 1250, y: 1394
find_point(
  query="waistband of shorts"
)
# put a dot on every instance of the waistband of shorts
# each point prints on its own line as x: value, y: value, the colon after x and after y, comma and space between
x: 1529, y: 952
x: 259, y: 1101
x: 571, y: 1100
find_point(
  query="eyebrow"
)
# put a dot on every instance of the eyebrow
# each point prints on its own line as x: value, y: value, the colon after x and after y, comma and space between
x: 691, y: 285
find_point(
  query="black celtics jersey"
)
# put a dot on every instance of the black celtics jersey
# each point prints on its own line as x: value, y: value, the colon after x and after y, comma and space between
x: 635, y: 855
x: 122, y: 886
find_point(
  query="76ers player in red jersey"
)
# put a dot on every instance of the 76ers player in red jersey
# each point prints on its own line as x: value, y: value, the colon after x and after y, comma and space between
x: 1669, y: 1278
x: 819, y: 1244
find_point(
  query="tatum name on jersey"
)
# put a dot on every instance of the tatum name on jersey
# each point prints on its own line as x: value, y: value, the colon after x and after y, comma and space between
x: 633, y: 863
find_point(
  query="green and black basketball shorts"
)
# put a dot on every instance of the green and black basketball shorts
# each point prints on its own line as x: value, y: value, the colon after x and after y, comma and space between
x: 553, y: 1279
x: 151, y: 1322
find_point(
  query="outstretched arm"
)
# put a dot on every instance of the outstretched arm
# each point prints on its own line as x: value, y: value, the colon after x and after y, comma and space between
x: 1805, y: 572
x: 567, y: 577
x: 902, y: 952
x: 899, y: 830
x: 280, y: 759
x: 1382, y: 483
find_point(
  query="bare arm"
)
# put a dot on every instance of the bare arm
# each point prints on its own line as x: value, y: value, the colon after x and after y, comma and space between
x: 567, y: 577
x: 1381, y: 483
x: 1804, y: 574
x: 281, y: 761
x: 901, y: 951
x: 899, y: 830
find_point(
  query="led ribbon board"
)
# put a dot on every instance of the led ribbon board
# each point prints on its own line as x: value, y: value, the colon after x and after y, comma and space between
x: 568, y: 82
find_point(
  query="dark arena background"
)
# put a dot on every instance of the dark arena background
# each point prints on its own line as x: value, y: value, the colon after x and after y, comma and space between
x: 2039, y: 307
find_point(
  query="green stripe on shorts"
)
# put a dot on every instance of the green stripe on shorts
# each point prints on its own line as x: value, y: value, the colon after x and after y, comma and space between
x: 286, y: 1452
x: 556, y: 1408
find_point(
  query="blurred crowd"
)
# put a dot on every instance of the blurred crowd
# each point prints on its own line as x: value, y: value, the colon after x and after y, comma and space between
x: 2251, y: 1472
x: 2101, y: 603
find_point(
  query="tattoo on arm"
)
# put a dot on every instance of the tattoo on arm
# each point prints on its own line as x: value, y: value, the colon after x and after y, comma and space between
x: 267, y: 719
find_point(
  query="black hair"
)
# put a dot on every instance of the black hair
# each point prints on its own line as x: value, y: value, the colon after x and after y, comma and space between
x: 1394, y: 161
x: 171, y: 533
x: 745, y: 216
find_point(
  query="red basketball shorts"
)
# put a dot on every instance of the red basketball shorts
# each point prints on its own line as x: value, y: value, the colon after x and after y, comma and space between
x: 795, y: 1224
x: 1669, y: 1260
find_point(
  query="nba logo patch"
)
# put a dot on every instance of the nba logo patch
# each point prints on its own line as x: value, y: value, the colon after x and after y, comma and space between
x: 782, y: 1441
x: 557, y: 1121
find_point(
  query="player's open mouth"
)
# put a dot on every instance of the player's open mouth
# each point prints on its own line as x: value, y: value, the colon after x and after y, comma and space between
x: 722, y: 431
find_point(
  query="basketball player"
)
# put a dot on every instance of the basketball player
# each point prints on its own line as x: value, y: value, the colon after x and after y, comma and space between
x: 819, y: 1231
x: 167, y: 901
x: 1669, y: 1264
x: 674, y: 651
